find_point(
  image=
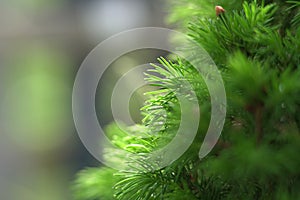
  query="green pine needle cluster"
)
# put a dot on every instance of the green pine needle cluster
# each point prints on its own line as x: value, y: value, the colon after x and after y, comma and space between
x: 256, y: 46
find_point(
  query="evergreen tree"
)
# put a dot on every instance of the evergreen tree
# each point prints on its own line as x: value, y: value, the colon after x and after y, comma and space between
x: 256, y: 46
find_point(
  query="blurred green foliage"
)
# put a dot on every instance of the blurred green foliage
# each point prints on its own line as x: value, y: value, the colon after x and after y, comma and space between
x: 95, y: 184
x: 38, y: 96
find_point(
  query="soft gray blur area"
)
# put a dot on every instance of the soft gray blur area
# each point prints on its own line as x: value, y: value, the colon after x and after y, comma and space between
x: 42, y: 44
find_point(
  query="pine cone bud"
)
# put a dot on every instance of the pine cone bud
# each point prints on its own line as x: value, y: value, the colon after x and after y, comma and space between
x: 219, y: 10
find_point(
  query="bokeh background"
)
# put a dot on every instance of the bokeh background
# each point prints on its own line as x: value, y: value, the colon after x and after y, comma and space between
x: 42, y: 44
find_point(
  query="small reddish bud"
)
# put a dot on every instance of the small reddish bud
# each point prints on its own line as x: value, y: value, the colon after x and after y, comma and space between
x: 219, y: 10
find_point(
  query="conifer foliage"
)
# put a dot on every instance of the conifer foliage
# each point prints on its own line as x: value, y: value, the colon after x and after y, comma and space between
x: 256, y: 47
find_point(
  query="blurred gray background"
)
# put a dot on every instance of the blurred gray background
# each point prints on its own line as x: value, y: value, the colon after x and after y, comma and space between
x: 42, y: 44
